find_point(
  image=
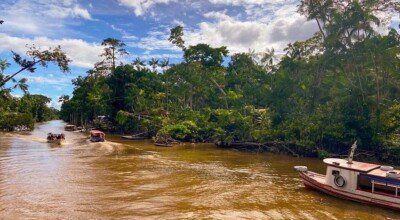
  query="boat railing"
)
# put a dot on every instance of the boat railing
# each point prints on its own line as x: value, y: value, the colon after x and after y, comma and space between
x: 381, y: 185
x: 395, y: 187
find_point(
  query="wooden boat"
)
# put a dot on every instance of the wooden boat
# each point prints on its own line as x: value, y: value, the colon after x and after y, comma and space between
x: 56, y: 138
x: 70, y: 127
x: 97, y: 136
x: 133, y: 137
x: 358, y: 181
x: 138, y: 136
x: 162, y: 144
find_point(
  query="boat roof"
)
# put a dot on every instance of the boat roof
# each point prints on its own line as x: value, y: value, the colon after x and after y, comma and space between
x: 381, y: 172
x: 96, y: 132
x: 356, y: 166
x: 70, y: 125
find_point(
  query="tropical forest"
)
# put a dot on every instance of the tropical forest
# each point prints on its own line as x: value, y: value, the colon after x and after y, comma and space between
x: 315, y: 98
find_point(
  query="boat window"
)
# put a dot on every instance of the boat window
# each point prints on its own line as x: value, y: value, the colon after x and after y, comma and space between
x: 335, y: 172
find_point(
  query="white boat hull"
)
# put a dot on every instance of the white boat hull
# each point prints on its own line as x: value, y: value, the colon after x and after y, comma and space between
x: 317, y: 181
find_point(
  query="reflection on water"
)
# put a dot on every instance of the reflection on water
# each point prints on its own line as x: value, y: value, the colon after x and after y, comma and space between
x: 123, y: 179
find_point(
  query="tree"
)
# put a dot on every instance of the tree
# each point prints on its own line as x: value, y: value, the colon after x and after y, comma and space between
x: 36, y: 106
x: 138, y: 63
x: 164, y: 64
x: 41, y: 57
x: 153, y: 63
x: 347, y: 21
x: 211, y: 60
x: 113, y: 49
x: 21, y: 84
x: 63, y: 99
x: 176, y: 37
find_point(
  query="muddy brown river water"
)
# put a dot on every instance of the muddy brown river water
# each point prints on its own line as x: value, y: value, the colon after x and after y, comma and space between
x: 123, y: 179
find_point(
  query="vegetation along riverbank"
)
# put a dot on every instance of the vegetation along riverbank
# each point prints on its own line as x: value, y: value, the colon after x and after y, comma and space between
x: 316, y: 99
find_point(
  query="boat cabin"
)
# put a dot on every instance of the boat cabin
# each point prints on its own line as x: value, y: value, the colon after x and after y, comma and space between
x: 97, y: 136
x: 70, y: 127
x: 372, y: 178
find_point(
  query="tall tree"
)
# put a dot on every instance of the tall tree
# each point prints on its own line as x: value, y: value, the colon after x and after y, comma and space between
x: 113, y: 49
x: 176, y: 37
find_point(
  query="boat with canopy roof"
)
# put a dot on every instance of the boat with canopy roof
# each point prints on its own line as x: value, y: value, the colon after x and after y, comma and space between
x: 97, y: 136
x: 358, y: 181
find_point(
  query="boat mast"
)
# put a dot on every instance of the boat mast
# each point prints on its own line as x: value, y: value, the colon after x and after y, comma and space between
x: 353, y: 148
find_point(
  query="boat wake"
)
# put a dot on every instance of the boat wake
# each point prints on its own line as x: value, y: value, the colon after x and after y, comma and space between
x: 107, y: 147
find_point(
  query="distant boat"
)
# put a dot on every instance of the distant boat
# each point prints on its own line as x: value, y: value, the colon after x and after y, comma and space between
x: 70, y: 127
x: 162, y: 145
x: 56, y: 138
x: 97, y: 136
x: 357, y: 181
x: 133, y: 137
x: 138, y: 136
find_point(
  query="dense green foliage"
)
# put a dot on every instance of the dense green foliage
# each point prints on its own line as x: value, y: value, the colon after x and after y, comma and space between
x: 340, y: 85
x: 22, y: 113
x: 16, y: 121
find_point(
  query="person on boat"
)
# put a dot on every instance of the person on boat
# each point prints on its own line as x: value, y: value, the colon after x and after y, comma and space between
x: 60, y: 136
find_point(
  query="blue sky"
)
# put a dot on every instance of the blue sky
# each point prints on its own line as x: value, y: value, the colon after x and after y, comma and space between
x: 79, y: 26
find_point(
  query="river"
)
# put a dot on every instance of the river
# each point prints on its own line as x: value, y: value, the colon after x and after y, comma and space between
x: 124, y: 179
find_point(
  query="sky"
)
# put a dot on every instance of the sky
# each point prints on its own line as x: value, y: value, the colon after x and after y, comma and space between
x: 79, y: 27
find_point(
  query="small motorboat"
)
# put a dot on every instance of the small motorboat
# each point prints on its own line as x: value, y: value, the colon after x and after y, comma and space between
x: 56, y: 138
x: 138, y: 136
x: 163, y: 144
x: 70, y: 127
x: 133, y: 137
x: 97, y: 136
x: 358, y: 181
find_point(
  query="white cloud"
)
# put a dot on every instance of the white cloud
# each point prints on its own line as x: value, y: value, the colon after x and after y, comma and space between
x: 155, y: 40
x: 83, y: 54
x: 40, y: 17
x: 240, y: 36
x: 125, y: 34
x: 264, y: 24
x: 57, y: 11
x: 218, y: 15
x: 55, y: 104
x: 141, y: 6
x: 53, y: 81
x: 249, y: 2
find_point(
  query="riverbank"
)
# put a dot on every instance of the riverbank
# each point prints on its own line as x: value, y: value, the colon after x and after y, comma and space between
x: 386, y: 156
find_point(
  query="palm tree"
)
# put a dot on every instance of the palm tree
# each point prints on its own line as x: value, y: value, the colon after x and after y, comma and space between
x: 164, y: 63
x: 3, y: 65
x: 138, y: 63
x: 268, y: 59
x: 21, y: 84
x: 154, y: 63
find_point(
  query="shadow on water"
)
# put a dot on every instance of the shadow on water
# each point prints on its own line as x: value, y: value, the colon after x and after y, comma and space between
x: 120, y: 179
